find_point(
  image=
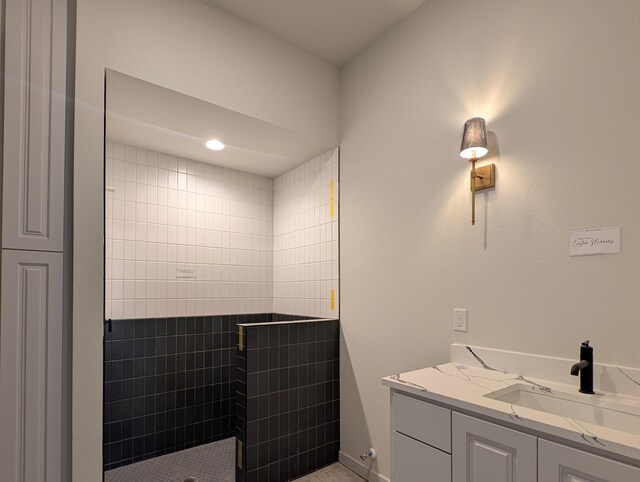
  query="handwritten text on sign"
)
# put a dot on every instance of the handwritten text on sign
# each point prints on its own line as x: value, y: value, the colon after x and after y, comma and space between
x: 595, y: 241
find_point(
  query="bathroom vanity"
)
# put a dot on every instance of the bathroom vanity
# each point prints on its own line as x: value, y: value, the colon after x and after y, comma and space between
x: 496, y: 416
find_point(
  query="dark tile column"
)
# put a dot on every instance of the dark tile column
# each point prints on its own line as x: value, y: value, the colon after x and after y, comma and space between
x: 241, y: 405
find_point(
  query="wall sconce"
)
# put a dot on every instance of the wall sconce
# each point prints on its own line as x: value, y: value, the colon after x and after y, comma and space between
x: 473, y: 147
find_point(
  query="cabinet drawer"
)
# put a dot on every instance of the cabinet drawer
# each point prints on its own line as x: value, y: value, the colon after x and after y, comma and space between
x: 422, y: 421
x: 413, y: 461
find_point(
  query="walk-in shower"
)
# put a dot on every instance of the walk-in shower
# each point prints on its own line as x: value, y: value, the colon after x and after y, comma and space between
x: 221, y: 294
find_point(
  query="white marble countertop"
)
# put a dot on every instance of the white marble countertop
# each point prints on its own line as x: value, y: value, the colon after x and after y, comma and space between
x: 468, y: 386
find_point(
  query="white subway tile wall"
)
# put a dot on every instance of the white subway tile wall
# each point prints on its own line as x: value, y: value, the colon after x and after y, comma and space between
x: 166, y: 215
x: 305, y: 266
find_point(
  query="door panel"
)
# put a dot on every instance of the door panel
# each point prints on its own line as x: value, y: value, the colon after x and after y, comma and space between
x: 31, y: 366
x: 34, y: 124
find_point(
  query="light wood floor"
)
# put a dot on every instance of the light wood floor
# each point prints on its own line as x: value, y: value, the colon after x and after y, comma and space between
x: 333, y: 473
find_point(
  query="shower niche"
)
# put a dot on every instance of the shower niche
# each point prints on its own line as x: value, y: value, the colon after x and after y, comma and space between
x: 221, y: 293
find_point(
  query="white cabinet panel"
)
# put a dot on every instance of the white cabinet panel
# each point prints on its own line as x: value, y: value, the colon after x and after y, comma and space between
x: 557, y: 463
x: 485, y: 452
x: 33, y: 152
x: 420, y: 420
x: 34, y: 124
x: 413, y: 461
x: 31, y: 366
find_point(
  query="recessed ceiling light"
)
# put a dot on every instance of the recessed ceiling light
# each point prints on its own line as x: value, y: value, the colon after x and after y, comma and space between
x: 214, y: 145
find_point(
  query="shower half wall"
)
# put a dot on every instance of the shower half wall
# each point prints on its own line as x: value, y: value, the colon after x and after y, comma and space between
x: 288, y: 399
x: 190, y: 256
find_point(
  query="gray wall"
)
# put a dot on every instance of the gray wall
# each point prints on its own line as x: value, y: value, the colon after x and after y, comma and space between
x: 557, y: 83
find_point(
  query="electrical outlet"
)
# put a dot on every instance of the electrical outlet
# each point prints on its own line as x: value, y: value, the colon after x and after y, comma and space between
x: 460, y: 320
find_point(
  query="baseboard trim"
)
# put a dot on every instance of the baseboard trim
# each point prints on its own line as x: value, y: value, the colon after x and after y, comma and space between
x: 359, y: 468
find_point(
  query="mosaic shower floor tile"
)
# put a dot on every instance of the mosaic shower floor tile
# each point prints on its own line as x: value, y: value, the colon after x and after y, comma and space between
x: 212, y: 462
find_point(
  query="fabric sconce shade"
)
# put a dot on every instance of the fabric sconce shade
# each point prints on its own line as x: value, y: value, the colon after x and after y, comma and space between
x: 474, y: 139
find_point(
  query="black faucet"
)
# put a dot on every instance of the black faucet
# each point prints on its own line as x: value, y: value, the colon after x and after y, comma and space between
x: 585, y: 368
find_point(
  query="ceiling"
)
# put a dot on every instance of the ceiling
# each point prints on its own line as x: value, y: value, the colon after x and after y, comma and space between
x: 152, y: 117
x: 335, y: 30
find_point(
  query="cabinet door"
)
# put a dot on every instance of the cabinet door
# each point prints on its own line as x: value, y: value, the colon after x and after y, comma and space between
x: 413, y: 461
x: 484, y: 452
x: 564, y: 464
x: 35, y: 75
x: 31, y: 367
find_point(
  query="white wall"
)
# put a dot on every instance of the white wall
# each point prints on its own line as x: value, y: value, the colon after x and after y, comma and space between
x: 189, y: 47
x: 558, y: 85
x: 305, y: 247
x: 164, y: 212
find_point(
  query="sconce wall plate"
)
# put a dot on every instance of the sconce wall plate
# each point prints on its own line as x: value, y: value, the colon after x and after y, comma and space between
x: 488, y: 179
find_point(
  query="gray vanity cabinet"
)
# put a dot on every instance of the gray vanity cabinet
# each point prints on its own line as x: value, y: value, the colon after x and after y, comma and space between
x: 485, y: 452
x: 557, y: 463
x: 432, y: 443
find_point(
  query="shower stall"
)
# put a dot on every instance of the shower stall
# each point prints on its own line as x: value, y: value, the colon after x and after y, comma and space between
x: 221, y: 301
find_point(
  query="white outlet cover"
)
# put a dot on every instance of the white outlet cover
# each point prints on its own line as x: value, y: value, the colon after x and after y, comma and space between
x: 460, y: 320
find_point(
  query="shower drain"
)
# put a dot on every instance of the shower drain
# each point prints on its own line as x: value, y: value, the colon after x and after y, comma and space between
x: 190, y: 479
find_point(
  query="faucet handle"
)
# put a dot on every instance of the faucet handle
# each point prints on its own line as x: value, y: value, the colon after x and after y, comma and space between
x: 586, y: 343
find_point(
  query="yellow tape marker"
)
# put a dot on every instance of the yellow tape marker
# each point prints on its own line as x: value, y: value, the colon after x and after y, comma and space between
x: 239, y: 451
x: 241, y: 338
x: 333, y: 300
x: 332, y: 208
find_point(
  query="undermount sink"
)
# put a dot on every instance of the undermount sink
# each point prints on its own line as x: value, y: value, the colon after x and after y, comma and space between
x: 593, y: 409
